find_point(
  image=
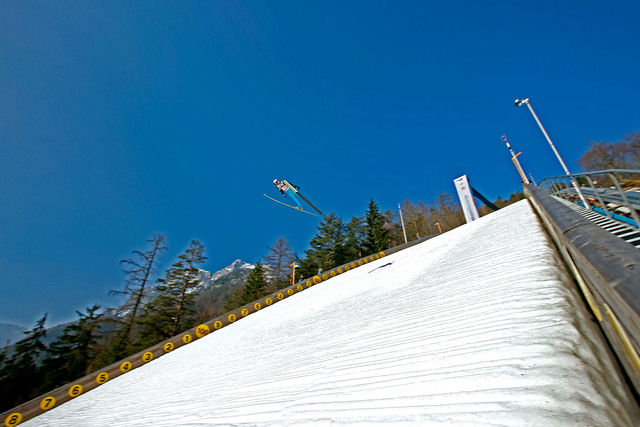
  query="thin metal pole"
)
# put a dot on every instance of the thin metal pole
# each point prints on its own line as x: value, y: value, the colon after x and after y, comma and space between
x: 546, y: 135
x: 402, y: 222
x: 553, y: 147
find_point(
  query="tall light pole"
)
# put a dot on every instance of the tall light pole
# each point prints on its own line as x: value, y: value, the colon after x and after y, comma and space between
x: 402, y: 221
x: 526, y: 102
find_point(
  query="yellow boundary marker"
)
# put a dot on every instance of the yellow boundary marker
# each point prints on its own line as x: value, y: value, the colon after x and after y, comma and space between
x: 47, y: 403
x: 202, y: 330
x: 13, y: 419
x: 102, y: 377
x: 75, y: 390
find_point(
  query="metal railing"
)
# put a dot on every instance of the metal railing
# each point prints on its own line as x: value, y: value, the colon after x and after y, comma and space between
x: 613, y: 192
x: 605, y: 268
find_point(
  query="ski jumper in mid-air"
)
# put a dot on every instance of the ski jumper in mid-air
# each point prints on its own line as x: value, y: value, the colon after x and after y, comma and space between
x: 285, y: 188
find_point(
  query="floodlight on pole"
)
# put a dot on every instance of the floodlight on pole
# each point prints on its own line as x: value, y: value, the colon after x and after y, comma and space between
x: 520, y: 102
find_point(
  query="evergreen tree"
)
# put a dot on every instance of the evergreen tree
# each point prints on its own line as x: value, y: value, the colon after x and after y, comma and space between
x: 139, y: 269
x: 69, y: 357
x: 20, y: 376
x: 326, y: 247
x: 172, y: 311
x: 235, y: 300
x: 355, y: 239
x: 377, y: 235
x: 256, y: 285
x: 255, y: 288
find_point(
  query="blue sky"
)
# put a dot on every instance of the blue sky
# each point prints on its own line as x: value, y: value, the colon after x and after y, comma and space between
x: 122, y: 119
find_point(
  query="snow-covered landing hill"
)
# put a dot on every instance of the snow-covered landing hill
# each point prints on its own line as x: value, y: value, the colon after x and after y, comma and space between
x: 478, y: 326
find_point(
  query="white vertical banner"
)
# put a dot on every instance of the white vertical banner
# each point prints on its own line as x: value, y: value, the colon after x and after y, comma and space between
x: 466, y: 198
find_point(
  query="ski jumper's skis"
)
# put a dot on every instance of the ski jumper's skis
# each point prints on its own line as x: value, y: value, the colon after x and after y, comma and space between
x: 303, y: 198
x: 292, y: 207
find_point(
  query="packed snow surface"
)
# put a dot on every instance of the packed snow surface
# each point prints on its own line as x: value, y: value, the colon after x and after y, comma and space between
x: 478, y: 326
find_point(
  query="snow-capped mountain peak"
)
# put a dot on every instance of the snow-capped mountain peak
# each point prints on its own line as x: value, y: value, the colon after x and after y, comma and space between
x: 217, y: 279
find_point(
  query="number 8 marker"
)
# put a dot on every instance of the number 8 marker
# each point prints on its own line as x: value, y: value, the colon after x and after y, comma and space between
x: 13, y: 419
